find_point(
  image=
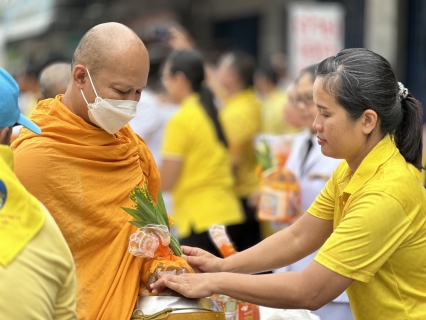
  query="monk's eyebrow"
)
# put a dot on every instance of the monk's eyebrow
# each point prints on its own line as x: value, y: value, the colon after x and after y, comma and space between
x: 123, y: 85
x: 116, y: 84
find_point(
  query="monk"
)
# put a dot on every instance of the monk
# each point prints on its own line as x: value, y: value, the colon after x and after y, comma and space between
x: 87, y: 160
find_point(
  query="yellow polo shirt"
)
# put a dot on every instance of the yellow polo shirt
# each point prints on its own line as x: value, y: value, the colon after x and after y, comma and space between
x: 204, y: 193
x: 240, y: 117
x: 379, y: 237
x: 37, y: 272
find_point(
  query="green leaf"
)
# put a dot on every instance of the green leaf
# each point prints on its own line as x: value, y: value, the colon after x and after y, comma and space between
x: 147, y: 207
x: 139, y: 224
x: 134, y: 213
x: 161, y: 209
x: 148, y: 213
x: 175, y: 245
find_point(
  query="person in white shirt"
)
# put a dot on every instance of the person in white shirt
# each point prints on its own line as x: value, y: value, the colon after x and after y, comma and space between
x: 152, y: 114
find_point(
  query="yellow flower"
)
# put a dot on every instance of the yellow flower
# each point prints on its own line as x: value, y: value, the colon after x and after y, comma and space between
x: 171, y: 221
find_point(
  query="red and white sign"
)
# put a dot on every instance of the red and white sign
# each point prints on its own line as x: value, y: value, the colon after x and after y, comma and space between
x: 316, y: 31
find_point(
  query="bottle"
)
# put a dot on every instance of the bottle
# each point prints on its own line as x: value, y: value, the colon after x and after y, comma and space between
x: 221, y: 240
x: 228, y: 305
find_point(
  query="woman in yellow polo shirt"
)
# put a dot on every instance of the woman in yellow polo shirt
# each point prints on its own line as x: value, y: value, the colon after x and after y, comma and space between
x: 196, y: 166
x: 369, y: 220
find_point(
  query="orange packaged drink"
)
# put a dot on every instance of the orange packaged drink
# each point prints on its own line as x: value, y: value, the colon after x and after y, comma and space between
x: 279, y: 190
x: 247, y: 311
x: 234, y: 310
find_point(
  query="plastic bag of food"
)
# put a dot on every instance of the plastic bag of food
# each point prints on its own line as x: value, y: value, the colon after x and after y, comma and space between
x: 279, y: 191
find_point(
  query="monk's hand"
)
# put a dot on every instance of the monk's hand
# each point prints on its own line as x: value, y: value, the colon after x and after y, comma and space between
x: 188, y: 284
x: 202, y: 261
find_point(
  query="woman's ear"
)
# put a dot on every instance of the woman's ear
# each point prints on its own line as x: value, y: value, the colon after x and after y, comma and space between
x: 369, y: 121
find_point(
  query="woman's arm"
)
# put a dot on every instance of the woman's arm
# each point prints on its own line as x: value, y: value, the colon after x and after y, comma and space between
x: 170, y: 172
x: 303, y: 237
x: 310, y: 289
x: 289, y: 245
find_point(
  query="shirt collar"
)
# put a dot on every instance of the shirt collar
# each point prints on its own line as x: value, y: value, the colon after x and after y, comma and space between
x: 369, y: 166
x: 21, y: 215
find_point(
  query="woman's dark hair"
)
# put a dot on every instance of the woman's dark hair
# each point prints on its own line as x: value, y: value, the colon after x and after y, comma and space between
x: 311, y: 70
x: 244, y: 65
x: 360, y: 79
x: 266, y: 71
x: 191, y: 64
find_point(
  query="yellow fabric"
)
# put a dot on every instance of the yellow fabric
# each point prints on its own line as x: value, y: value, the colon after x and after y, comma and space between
x: 240, y: 117
x: 204, y: 193
x: 273, y: 105
x: 379, y: 236
x: 21, y: 217
x: 422, y: 174
x: 84, y: 175
x: 37, y: 275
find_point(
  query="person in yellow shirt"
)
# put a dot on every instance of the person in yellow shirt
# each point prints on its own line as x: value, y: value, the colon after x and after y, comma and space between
x: 274, y: 101
x: 240, y: 116
x: 195, y: 165
x: 86, y: 162
x: 37, y: 272
x: 369, y: 220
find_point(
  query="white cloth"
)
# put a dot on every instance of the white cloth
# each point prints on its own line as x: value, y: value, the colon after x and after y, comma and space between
x: 286, y: 314
x: 317, y: 169
x: 316, y: 172
x: 149, y: 123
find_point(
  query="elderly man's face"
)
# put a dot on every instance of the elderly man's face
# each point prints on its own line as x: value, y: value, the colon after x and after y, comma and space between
x: 123, y: 77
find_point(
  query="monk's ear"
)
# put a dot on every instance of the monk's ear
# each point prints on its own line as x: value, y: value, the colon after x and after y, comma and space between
x: 79, y: 76
x: 369, y: 121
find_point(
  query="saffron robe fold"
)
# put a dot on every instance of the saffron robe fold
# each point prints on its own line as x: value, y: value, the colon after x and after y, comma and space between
x: 83, y: 175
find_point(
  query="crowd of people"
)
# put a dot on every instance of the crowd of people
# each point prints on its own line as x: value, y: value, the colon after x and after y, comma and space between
x: 104, y: 123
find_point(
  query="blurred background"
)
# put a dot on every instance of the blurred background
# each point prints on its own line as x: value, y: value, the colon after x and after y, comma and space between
x: 293, y: 34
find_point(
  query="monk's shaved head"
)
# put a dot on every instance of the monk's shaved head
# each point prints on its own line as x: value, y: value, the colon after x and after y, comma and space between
x: 99, y: 43
x: 115, y: 60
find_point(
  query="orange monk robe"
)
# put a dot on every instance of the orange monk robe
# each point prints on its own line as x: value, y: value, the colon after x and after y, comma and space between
x: 83, y: 175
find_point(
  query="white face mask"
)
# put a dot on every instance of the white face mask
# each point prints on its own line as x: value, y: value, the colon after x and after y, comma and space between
x: 111, y: 115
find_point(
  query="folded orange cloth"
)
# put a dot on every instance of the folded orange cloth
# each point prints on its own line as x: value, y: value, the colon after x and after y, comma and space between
x: 84, y: 175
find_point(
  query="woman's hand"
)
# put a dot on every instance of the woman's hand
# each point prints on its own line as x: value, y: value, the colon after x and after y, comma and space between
x: 202, y: 261
x: 188, y: 284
